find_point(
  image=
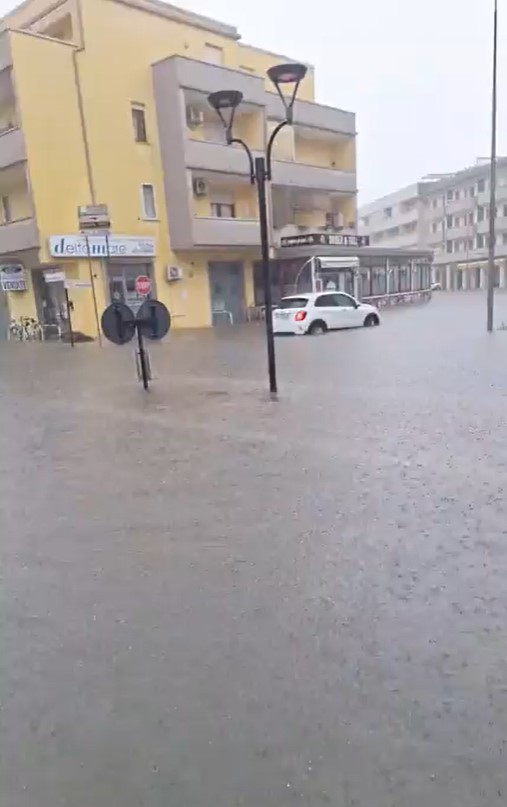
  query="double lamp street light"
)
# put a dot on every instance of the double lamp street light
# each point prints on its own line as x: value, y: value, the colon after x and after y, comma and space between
x: 225, y: 103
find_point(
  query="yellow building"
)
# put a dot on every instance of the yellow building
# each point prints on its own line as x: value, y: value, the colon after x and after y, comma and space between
x: 105, y: 102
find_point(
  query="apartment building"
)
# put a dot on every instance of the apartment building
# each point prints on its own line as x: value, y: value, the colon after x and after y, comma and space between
x: 105, y: 102
x: 450, y: 216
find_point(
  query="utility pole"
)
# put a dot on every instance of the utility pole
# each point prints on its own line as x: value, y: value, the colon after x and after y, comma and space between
x: 492, y: 181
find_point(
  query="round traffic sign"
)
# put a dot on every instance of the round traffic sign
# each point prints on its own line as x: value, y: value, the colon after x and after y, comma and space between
x: 143, y: 285
x: 118, y: 323
x: 153, y: 319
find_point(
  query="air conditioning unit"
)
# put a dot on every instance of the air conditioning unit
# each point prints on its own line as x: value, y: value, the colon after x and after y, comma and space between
x: 174, y: 273
x: 195, y: 116
x: 200, y: 187
x: 334, y: 221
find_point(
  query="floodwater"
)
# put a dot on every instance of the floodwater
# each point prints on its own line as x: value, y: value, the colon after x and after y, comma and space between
x: 209, y: 599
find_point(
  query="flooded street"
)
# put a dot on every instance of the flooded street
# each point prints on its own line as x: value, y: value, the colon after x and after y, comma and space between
x: 209, y: 599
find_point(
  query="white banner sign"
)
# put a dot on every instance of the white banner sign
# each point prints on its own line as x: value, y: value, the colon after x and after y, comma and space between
x: 12, y: 277
x: 54, y: 277
x: 100, y: 246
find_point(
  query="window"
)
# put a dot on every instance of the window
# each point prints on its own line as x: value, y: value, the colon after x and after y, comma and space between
x: 471, y: 191
x: 378, y: 280
x: 325, y: 301
x: 470, y: 218
x: 449, y: 246
x: 148, y: 202
x: 457, y: 221
x: 456, y: 195
x: 213, y: 54
x: 480, y: 241
x: 343, y: 301
x: 450, y: 195
x: 388, y: 212
x: 481, y: 186
x: 293, y: 302
x: 448, y: 221
x: 504, y: 211
x: 434, y: 203
x: 480, y: 214
x: 223, y: 210
x: 504, y: 238
x: 366, y: 220
x: 6, y: 209
x: 139, y: 123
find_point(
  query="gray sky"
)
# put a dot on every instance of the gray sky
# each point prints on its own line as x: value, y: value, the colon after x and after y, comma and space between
x: 416, y: 72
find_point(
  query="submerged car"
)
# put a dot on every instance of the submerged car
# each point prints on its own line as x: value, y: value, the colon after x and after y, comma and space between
x: 317, y: 313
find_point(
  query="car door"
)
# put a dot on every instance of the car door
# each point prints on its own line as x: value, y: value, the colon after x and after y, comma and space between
x: 346, y: 314
x: 327, y: 310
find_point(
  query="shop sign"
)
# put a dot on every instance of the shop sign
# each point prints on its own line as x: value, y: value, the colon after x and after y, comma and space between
x: 325, y: 239
x: 101, y: 246
x: 54, y: 277
x: 12, y: 277
x: 93, y: 217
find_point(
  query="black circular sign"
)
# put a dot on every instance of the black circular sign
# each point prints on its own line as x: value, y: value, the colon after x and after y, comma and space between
x: 154, y: 320
x: 118, y: 323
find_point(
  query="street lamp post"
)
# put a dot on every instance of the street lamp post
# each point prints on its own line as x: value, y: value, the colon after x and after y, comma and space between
x: 492, y: 197
x: 225, y: 103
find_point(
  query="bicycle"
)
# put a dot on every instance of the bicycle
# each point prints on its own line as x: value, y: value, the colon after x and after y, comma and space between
x: 26, y: 329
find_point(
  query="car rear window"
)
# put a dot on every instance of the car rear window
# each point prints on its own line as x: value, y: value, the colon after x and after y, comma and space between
x: 293, y: 302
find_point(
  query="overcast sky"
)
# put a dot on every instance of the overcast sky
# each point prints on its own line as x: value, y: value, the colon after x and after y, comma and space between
x: 416, y: 72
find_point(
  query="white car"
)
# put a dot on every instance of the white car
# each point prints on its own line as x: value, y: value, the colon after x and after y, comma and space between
x: 325, y: 311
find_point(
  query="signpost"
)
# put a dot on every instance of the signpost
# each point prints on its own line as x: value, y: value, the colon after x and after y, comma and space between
x: 94, y: 219
x: 153, y: 320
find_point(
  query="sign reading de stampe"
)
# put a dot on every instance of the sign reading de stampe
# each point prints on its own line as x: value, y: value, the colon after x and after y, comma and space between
x: 100, y: 246
x: 325, y: 239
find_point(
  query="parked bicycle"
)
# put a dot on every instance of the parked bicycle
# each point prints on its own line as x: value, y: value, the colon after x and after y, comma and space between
x: 26, y: 329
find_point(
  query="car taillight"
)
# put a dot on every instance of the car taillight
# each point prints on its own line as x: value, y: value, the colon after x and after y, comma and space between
x: 300, y: 316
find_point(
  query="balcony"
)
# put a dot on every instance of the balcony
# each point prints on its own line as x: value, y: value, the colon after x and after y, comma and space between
x: 178, y: 71
x: 217, y: 232
x: 12, y: 147
x: 296, y: 175
x: 5, y: 51
x: 208, y: 156
x: 19, y: 235
x: 314, y: 116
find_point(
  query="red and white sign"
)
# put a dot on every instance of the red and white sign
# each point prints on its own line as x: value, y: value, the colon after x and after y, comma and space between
x: 143, y: 285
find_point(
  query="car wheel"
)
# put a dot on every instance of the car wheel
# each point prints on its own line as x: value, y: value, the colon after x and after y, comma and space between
x: 317, y: 328
x: 371, y: 320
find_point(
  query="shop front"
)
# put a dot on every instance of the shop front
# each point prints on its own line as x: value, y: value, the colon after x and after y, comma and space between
x: 383, y: 277
x: 97, y: 270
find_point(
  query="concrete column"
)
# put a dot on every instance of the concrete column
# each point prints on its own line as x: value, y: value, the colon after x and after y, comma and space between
x: 466, y: 279
x: 483, y: 277
x: 503, y: 275
x: 448, y: 283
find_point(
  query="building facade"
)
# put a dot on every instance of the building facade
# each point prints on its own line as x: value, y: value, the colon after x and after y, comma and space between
x: 105, y: 102
x: 450, y: 216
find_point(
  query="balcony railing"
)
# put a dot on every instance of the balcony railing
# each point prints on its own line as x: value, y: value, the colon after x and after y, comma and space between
x: 12, y: 147
x: 218, y: 232
x: 19, y: 235
x: 298, y: 175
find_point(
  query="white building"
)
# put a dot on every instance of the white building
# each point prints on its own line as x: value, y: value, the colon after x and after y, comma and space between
x: 450, y: 216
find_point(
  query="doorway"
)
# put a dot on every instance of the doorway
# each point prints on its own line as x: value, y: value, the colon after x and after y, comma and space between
x: 51, y: 305
x: 122, y: 283
x: 227, y: 293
